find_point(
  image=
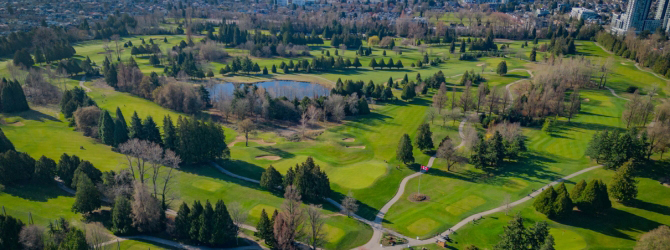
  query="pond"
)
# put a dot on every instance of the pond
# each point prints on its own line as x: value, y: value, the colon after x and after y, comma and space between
x: 279, y: 88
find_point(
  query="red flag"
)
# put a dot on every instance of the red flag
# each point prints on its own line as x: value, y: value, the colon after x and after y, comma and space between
x: 425, y: 168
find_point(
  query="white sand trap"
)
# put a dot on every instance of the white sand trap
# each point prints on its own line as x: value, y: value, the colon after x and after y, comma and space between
x: 587, y: 100
x: 623, y: 63
x: 269, y: 157
x: 360, y: 147
x: 479, y: 65
x: 348, y: 140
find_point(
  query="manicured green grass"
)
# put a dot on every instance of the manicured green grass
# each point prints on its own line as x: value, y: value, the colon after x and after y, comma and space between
x: 619, y: 229
x: 456, y: 195
x: 136, y: 245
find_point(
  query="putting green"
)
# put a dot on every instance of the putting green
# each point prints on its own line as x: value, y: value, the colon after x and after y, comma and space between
x: 333, y: 234
x: 515, y: 185
x: 567, y: 239
x: 207, y: 185
x: 422, y: 226
x: 359, y: 175
x: 465, y: 204
x: 258, y: 209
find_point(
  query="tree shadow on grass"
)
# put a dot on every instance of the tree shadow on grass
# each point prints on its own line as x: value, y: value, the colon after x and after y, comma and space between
x: 33, y: 115
x: 531, y: 167
x: 278, y: 152
x: 652, y: 207
x: 36, y: 192
x: 613, y: 224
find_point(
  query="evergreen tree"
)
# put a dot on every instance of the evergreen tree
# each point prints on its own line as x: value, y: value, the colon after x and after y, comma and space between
x: 274, y: 69
x: 462, y: 47
x: 623, y: 186
x: 594, y: 198
x: 271, y: 179
x: 224, y: 228
x: 548, y: 243
x: 545, y: 201
x: 373, y: 63
x: 22, y: 58
x: 182, y: 223
x: 424, y: 139
x: 150, y: 131
x: 408, y: 92
x: 404, y: 152
x: 75, y: 239
x: 12, y: 98
x: 265, y: 229
x: 206, y: 223
x: 45, y: 170
x: 387, y: 94
x: 122, y: 223
x: 363, y: 108
x: 106, y: 128
x: 502, y: 68
x: 533, y: 55
x: 136, y: 129
x: 87, y: 197
x: 265, y: 70
x: 536, y: 235
x: 357, y: 63
x: 169, y: 134
x: 66, y: 167
x: 10, y: 229
x: 576, y: 192
x: 5, y: 144
x: 194, y: 218
x: 120, y: 128
x: 389, y: 83
x: 514, y: 235
x: 563, y: 205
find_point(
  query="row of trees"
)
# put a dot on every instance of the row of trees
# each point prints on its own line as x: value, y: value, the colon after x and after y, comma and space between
x: 591, y: 198
x: 206, y: 225
x: 17, y: 235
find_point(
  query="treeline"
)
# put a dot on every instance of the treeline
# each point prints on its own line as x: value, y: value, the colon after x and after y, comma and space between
x: 253, y: 101
x: 307, y: 177
x: 127, y: 77
x: 179, y: 137
x: 613, y: 149
x: 114, y: 25
x: 206, y: 225
x: 641, y: 50
x: 61, y: 235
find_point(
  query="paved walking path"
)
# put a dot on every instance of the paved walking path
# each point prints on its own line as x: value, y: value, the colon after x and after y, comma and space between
x: 615, y: 95
x: 81, y: 84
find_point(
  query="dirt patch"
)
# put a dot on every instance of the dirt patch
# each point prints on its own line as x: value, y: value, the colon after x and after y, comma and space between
x: 587, y: 100
x: 359, y: 147
x: 348, y: 140
x: 269, y: 157
x: 416, y: 197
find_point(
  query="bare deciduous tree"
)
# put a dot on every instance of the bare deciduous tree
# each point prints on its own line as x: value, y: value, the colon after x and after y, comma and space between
x: 317, y: 236
x: 238, y: 215
x: 288, y: 224
x: 246, y: 126
x: 450, y: 154
x: 96, y: 235
x: 147, y: 211
x: 32, y: 237
x: 440, y: 98
x: 349, y: 205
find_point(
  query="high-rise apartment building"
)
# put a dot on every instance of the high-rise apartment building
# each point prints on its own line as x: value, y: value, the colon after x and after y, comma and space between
x: 642, y: 15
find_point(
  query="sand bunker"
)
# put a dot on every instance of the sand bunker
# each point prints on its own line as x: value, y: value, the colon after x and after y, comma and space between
x: 16, y: 124
x: 348, y: 140
x: 259, y: 141
x: 587, y: 100
x: 479, y: 65
x: 361, y: 147
x: 269, y: 157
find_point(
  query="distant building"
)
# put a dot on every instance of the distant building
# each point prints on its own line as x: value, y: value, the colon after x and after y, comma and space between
x: 296, y: 2
x: 642, y: 15
x: 583, y: 13
x: 542, y: 12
